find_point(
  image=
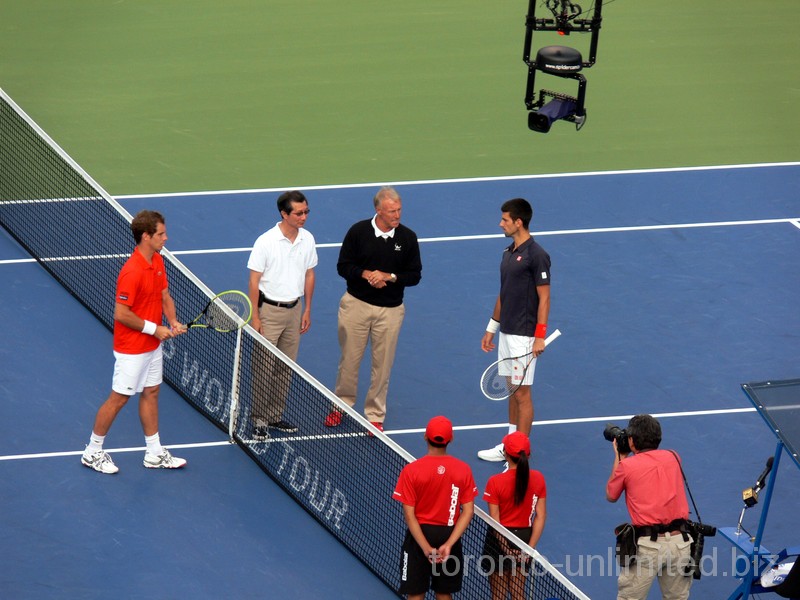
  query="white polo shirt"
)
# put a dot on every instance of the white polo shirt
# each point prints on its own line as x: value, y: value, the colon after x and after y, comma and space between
x: 283, y: 263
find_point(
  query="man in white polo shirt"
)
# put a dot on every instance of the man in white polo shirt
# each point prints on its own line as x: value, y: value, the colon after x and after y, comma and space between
x: 281, y: 284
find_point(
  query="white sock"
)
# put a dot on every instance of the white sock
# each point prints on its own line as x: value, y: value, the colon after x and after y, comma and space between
x: 511, y: 428
x: 153, y: 444
x: 95, y: 443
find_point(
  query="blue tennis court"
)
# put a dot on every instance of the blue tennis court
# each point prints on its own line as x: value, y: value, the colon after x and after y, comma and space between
x: 671, y: 287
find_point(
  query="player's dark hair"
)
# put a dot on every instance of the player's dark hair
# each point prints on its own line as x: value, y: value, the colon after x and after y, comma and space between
x: 518, y: 208
x: 437, y: 444
x: 145, y: 221
x: 645, y: 430
x: 286, y: 198
x: 521, y: 478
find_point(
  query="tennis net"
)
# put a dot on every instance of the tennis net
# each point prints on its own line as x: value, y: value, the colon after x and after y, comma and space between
x: 81, y: 236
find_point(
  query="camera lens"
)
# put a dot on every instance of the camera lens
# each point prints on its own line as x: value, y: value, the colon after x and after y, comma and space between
x: 611, y: 431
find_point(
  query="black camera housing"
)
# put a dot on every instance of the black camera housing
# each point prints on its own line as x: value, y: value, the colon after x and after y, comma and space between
x: 702, y: 529
x: 612, y: 432
x: 698, y: 531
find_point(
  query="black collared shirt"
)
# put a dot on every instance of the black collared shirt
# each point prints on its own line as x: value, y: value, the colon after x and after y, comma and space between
x: 361, y: 250
x: 521, y: 270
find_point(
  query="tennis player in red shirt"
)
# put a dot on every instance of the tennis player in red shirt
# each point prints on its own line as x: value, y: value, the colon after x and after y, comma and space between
x: 517, y: 500
x: 142, y: 299
x: 438, y: 494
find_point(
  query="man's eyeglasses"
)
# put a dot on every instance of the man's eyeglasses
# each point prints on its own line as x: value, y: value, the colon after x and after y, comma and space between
x: 300, y: 213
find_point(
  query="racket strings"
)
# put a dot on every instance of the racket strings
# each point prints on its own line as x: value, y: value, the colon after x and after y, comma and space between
x: 218, y: 314
x: 504, y: 377
x: 493, y: 385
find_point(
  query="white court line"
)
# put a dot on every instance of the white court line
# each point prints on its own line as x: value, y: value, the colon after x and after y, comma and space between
x: 463, y: 238
x: 464, y: 180
x: 793, y: 221
x: 138, y: 449
x: 693, y: 413
x: 489, y: 236
x: 306, y: 438
x: 17, y: 261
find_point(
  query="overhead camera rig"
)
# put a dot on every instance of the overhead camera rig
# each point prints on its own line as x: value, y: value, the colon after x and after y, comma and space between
x: 560, y: 61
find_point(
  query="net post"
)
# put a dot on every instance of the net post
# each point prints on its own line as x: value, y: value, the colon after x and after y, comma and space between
x: 235, y: 386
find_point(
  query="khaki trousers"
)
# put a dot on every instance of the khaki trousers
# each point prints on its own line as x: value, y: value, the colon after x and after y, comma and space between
x: 663, y: 559
x: 359, y: 324
x: 271, y: 377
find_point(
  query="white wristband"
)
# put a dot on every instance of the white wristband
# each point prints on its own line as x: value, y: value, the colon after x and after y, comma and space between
x: 149, y: 328
x: 492, y: 326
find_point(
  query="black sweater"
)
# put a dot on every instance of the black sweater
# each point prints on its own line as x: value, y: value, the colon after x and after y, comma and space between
x: 361, y: 250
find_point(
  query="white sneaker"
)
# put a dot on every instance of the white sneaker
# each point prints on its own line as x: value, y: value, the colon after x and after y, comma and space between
x: 493, y: 454
x: 163, y: 461
x: 100, y: 461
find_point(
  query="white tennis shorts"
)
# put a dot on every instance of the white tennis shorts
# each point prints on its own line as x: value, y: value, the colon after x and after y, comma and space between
x: 510, y: 346
x: 134, y: 372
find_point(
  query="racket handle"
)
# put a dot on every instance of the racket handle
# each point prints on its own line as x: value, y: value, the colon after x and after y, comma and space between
x: 552, y: 337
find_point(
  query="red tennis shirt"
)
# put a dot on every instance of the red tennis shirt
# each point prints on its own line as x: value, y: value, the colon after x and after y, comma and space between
x: 500, y: 491
x: 436, y: 486
x: 140, y: 285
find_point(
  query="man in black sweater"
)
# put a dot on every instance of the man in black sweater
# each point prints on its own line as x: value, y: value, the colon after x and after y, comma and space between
x: 379, y: 258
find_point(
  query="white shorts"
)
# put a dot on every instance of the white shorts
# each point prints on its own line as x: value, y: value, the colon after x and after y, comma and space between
x: 134, y: 372
x: 511, y: 346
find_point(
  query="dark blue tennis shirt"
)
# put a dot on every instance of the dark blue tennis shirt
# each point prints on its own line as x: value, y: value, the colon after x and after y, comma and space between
x: 521, y: 270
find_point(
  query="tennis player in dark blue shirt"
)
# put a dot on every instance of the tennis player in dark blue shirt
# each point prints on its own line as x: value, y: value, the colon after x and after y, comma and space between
x: 520, y: 313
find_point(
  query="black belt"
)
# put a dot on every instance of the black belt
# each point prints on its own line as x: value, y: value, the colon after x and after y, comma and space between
x: 676, y: 527
x: 262, y: 298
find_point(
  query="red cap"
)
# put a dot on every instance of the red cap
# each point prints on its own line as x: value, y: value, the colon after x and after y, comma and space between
x: 516, y: 444
x: 439, y: 430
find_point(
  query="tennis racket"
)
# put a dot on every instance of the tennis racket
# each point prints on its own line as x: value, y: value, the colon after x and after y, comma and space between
x: 225, y: 312
x: 504, y: 377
